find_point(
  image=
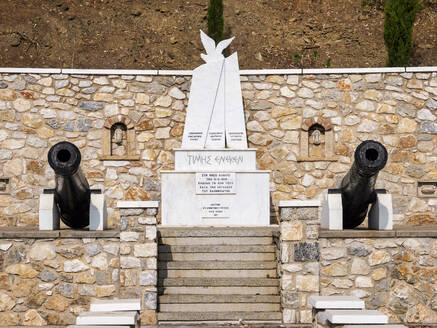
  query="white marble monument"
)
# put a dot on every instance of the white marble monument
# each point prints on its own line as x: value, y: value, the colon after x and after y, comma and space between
x: 215, y: 181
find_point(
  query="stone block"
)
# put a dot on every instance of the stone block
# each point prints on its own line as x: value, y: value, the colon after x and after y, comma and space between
x: 332, y: 212
x: 307, y: 283
x: 145, y: 250
x: 150, y: 301
x: 305, y: 251
x: 148, y: 278
x: 290, y: 299
x: 291, y: 230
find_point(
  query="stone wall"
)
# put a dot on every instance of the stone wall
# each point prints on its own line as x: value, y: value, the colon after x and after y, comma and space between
x: 50, y: 277
x: 393, y: 271
x: 396, y: 276
x: 398, y: 109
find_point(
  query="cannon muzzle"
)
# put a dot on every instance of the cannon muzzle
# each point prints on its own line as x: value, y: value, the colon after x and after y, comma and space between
x: 358, y: 185
x: 72, y: 192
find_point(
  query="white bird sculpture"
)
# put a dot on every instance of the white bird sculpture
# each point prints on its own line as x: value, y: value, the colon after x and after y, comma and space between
x: 213, y: 53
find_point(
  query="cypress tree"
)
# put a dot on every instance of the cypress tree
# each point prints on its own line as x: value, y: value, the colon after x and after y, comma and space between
x: 215, y: 20
x: 398, y: 30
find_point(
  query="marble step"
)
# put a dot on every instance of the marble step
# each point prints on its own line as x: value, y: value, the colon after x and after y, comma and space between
x: 220, y: 316
x: 336, y: 302
x: 99, y: 326
x: 218, y: 273
x: 374, y: 326
x: 222, y: 265
x: 107, y: 318
x: 216, y: 249
x: 218, y: 290
x: 355, y: 317
x: 184, y: 298
x: 191, y: 241
x: 217, y: 257
x: 217, y: 231
x: 220, y: 307
x: 215, y: 282
x: 99, y: 305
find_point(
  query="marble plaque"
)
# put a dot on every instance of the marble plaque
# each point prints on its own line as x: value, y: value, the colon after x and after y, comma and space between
x: 203, y: 93
x: 215, y: 160
x: 235, y: 124
x: 216, y: 209
x: 215, y: 183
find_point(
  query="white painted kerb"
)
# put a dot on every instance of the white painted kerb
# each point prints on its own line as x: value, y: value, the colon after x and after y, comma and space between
x: 299, y: 203
x: 137, y: 204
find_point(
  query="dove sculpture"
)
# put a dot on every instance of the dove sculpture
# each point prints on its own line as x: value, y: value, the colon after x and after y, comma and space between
x: 215, y: 115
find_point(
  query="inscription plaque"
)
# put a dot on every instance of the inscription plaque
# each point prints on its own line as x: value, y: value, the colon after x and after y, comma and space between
x: 215, y: 183
x: 215, y: 209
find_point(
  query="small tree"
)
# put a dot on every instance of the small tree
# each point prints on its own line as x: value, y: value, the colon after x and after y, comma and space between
x: 215, y: 20
x: 398, y: 30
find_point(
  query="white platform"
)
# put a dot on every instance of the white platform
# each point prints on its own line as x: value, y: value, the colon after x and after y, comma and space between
x: 248, y: 206
x: 356, y: 317
x: 133, y: 304
x: 336, y: 302
x: 107, y: 318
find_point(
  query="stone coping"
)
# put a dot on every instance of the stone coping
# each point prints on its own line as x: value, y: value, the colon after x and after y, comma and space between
x: 352, y: 70
x: 32, y: 232
x: 299, y: 203
x: 397, y: 232
x: 137, y: 204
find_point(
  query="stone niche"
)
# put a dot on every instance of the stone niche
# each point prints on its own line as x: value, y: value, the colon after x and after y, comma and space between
x: 4, y: 186
x: 119, y: 141
x: 427, y: 189
x: 316, y: 140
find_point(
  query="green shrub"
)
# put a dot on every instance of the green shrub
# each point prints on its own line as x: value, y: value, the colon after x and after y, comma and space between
x: 215, y: 20
x: 398, y: 30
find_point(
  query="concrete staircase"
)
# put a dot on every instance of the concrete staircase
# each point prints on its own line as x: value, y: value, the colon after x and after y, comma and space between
x: 217, y: 275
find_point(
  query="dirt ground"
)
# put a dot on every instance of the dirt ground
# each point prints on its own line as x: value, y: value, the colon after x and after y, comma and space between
x: 153, y: 34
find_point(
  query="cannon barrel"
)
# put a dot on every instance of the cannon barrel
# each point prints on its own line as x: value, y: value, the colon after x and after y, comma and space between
x: 72, y: 192
x: 358, y: 185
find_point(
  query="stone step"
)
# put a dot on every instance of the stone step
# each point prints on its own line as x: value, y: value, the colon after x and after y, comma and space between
x: 221, y: 307
x: 217, y: 231
x: 251, y: 273
x: 107, y: 318
x: 217, y: 257
x: 356, y: 317
x: 88, y: 326
x: 220, y: 316
x: 184, y: 298
x: 216, y: 240
x: 219, y: 290
x: 131, y: 304
x: 216, y: 249
x: 336, y: 302
x: 215, y: 282
x: 224, y: 265
x: 374, y: 326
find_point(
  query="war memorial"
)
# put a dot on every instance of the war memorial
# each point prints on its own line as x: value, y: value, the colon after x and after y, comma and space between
x: 218, y: 196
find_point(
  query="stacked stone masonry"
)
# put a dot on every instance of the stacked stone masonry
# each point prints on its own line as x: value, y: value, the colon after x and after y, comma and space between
x: 395, y: 275
x: 397, y: 109
x: 51, y: 281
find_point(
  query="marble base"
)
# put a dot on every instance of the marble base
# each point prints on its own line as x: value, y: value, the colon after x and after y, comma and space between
x: 249, y: 205
x: 332, y: 212
x: 98, y: 212
x: 381, y: 213
x: 48, y: 213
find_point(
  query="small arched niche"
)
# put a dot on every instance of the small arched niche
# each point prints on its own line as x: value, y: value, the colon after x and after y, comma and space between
x: 119, y: 142
x: 316, y: 140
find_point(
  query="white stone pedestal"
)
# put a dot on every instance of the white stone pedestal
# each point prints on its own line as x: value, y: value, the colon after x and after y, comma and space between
x: 247, y: 204
x: 332, y: 212
x: 381, y: 213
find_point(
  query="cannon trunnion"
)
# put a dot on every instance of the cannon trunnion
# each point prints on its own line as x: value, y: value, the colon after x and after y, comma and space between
x: 72, y: 191
x: 358, y: 186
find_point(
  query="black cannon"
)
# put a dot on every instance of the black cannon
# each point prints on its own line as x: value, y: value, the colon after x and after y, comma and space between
x: 72, y: 192
x: 357, y: 187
